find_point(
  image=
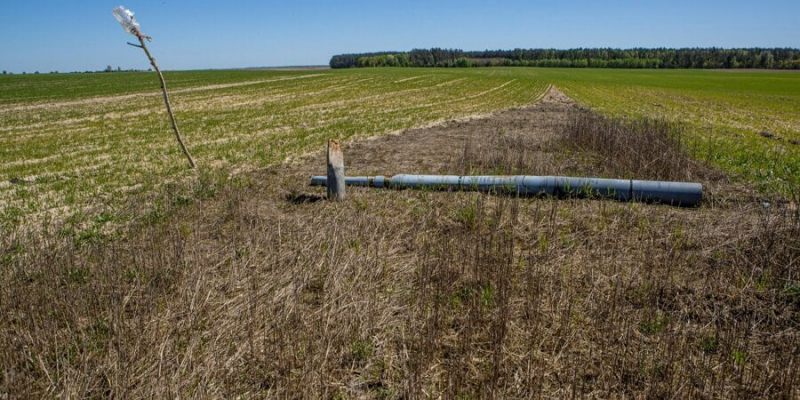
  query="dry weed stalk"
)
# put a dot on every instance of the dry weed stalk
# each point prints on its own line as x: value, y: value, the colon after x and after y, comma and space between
x: 129, y: 23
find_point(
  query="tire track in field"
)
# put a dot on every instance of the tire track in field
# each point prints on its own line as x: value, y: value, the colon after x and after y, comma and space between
x: 550, y: 94
x: 321, y: 122
x: 112, y: 115
x: 411, y: 79
x: 76, y: 152
x: 449, y: 101
x: 375, y: 96
x: 105, y: 99
x: 469, y: 112
x: 195, y: 104
x: 253, y: 100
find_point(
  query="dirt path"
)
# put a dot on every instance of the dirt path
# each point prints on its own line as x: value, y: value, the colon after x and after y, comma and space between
x: 432, y: 150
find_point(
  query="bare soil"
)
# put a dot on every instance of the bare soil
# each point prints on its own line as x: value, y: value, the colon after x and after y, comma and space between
x: 434, y: 149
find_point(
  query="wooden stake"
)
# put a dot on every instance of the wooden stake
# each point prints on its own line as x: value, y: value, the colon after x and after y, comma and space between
x: 166, y: 96
x: 335, y: 171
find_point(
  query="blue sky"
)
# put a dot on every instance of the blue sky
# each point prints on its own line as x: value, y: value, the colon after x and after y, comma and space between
x: 50, y: 35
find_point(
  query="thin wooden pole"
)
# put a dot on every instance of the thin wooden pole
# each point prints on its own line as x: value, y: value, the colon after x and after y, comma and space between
x: 335, y: 171
x: 166, y: 97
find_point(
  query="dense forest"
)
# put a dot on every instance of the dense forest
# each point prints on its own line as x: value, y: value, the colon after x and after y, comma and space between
x: 768, y: 58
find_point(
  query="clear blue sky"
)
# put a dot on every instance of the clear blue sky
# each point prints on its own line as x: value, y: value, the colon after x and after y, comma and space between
x: 49, y: 35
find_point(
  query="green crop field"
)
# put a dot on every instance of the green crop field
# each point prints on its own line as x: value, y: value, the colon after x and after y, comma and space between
x: 724, y: 113
x: 71, y: 143
x: 84, y: 142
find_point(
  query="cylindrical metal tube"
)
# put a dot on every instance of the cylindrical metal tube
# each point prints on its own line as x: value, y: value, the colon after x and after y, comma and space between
x: 427, y: 181
x: 538, y: 185
x: 505, y: 184
x: 684, y: 194
x: 619, y: 189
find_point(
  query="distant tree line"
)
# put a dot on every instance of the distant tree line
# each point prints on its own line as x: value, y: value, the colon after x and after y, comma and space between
x: 766, y: 58
x: 107, y: 69
x: 351, y: 60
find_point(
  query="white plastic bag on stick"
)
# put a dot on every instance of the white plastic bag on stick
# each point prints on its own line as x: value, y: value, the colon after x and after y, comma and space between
x: 125, y: 18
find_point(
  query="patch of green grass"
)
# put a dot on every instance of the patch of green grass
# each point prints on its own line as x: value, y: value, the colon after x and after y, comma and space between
x: 708, y: 344
x: 746, y: 123
x: 78, y: 276
x: 487, y: 295
x: 362, y: 350
x: 653, y: 324
x: 740, y: 357
x: 468, y: 216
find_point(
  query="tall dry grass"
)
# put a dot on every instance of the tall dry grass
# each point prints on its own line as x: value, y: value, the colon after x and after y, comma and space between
x: 261, y: 290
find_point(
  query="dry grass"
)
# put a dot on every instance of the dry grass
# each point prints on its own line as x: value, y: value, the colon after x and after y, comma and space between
x: 259, y: 289
x: 644, y: 148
